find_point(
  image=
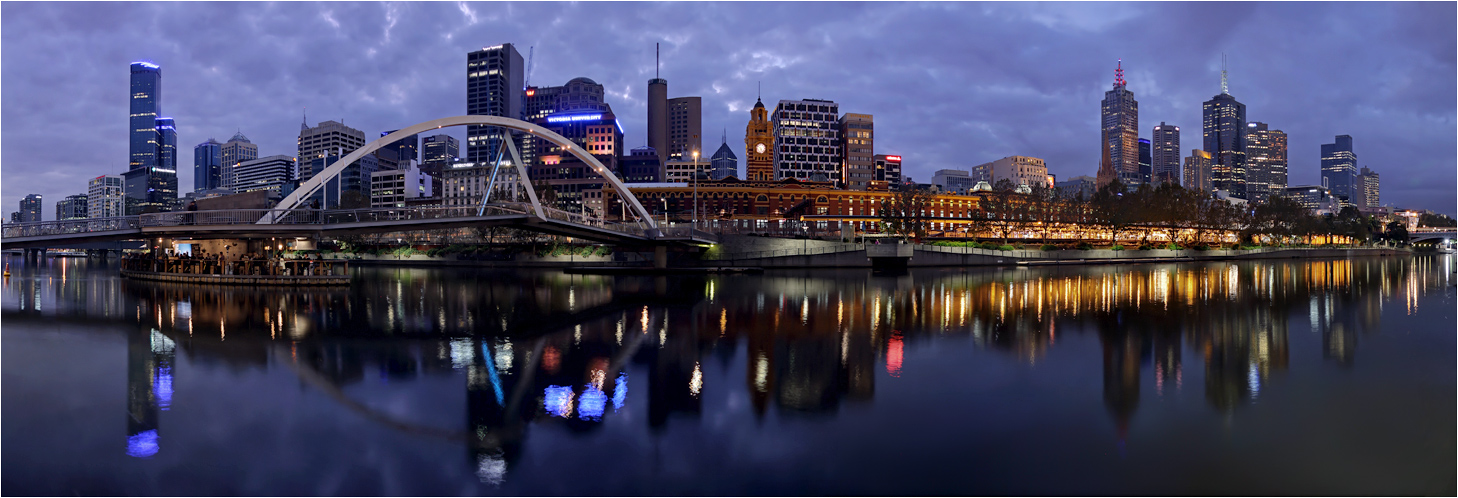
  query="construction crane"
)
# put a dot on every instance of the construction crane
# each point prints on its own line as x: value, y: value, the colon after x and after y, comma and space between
x: 526, y: 81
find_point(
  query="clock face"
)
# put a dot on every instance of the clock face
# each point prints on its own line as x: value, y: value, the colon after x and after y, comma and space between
x: 759, y: 148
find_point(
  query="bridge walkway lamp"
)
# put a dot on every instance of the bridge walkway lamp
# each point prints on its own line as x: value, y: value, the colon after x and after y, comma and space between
x: 696, y: 190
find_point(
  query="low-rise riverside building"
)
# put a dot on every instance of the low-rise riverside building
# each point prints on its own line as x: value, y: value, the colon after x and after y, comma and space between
x: 750, y: 205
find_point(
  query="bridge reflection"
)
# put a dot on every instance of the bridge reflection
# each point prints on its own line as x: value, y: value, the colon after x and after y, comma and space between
x: 539, y: 348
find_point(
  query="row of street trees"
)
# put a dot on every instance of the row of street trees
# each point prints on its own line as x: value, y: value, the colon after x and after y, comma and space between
x: 1148, y: 215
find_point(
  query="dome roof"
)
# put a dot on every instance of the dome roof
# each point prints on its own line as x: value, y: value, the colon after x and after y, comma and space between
x: 582, y: 80
x: 238, y: 137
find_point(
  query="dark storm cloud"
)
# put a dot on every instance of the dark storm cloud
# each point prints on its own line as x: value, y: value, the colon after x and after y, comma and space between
x: 950, y: 85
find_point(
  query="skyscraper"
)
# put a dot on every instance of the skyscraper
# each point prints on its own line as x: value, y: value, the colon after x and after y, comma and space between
x: 207, y: 165
x: 146, y: 106
x: 685, y: 127
x: 73, y: 207
x: 1165, y: 154
x: 579, y: 95
x: 807, y: 140
x: 493, y: 88
x: 1265, y: 152
x: 437, y: 152
x: 237, y: 150
x: 167, y: 150
x: 1369, y: 196
x: 1120, y: 124
x: 30, y: 208
x: 1339, y: 168
x: 328, y: 137
x: 1224, y: 123
x: 857, y: 137
x: 1145, y: 168
x: 151, y: 180
x: 1197, y: 171
x: 399, y: 153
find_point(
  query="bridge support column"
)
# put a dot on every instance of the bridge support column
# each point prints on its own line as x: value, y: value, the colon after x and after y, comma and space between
x: 660, y: 256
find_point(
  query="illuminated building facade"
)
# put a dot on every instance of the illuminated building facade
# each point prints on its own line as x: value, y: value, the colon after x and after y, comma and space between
x: 73, y: 207
x: 1339, y: 168
x: 573, y: 180
x: 493, y: 88
x: 146, y: 107
x: 30, y: 208
x: 1266, y: 157
x: 756, y: 203
x: 1165, y: 154
x: 1020, y: 170
x: 237, y: 150
x: 267, y: 173
x: 437, y: 152
x: 759, y: 146
x: 858, y: 148
x: 1370, y: 194
x: 807, y: 140
x: 1120, y: 126
x: 1319, y: 200
x: 580, y: 95
x: 105, y: 197
x: 393, y: 188
x: 1197, y: 171
x: 1224, y: 127
x: 888, y: 172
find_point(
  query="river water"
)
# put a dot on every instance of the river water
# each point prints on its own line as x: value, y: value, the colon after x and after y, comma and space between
x: 1326, y: 377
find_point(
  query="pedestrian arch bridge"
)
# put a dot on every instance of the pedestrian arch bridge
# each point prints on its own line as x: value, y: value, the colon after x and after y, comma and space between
x: 290, y: 218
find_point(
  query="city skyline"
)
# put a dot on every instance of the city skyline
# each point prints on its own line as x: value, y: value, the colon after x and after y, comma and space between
x: 379, y: 67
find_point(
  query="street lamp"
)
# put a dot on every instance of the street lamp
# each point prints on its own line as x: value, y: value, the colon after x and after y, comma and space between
x: 696, y: 189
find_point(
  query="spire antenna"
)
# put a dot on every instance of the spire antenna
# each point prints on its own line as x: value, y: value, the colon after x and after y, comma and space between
x: 1224, y: 88
x: 656, y: 64
x: 1119, y: 75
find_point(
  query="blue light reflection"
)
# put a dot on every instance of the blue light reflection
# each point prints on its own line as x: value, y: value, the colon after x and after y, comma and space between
x: 142, y: 445
x: 592, y: 404
x: 620, y: 391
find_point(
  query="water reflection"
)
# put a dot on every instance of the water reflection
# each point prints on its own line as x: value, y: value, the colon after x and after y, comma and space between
x: 537, y: 348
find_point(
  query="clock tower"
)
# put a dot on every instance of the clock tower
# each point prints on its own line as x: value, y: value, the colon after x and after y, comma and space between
x: 759, y: 146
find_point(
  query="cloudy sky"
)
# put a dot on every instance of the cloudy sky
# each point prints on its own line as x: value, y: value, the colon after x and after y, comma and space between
x: 951, y: 85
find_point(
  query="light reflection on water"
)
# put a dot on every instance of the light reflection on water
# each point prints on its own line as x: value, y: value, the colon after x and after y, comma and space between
x: 712, y: 341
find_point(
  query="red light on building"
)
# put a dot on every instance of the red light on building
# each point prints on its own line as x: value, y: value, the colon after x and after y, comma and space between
x: 893, y: 158
x: 531, y: 92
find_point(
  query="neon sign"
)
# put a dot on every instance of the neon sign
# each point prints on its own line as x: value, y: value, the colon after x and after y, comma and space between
x: 893, y: 158
x: 574, y: 118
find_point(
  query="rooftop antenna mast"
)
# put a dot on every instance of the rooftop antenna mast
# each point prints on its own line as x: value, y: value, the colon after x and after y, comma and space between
x: 1224, y: 89
x: 656, y: 64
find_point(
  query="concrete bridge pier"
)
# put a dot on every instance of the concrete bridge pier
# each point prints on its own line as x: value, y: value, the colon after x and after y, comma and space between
x: 660, y: 257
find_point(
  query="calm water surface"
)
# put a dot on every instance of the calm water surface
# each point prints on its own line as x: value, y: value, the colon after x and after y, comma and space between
x: 1272, y: 377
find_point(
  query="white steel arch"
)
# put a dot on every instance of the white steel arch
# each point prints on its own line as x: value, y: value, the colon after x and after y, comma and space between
x: 308, y: 188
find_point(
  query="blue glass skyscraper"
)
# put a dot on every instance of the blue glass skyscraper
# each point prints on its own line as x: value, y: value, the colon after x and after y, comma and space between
x: 207, y: 165
x: 1339, y: 168
x: 146, y: 100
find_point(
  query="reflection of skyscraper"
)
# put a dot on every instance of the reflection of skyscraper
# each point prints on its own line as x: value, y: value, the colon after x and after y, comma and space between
x: 150, y: 357
x: 1121, y: 373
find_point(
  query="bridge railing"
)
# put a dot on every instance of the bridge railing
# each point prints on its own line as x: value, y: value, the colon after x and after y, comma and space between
x: 582, y: 219
x: 63, y: 227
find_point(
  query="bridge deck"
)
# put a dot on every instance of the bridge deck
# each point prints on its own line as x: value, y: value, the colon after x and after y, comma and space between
x: 244, y: 223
